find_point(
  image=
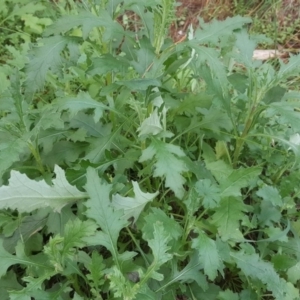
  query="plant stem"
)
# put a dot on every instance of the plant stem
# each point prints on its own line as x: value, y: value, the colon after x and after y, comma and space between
x: 138, y: 246
x: 76, y: 285
x: 37, y: 157
x: 241, y: 139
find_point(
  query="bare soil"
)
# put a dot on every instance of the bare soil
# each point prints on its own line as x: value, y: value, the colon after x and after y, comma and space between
x: 285, y: 14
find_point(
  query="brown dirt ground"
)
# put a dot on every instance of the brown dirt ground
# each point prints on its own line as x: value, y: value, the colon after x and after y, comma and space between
x: 190, y: 10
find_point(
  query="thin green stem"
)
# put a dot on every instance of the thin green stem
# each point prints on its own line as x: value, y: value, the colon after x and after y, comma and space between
x: 76, y: 285
x: 138, y: 246
x: 241, y: 140
x: 37, y: 157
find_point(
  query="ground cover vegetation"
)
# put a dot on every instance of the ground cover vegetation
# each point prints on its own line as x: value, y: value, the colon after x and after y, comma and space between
x: 277, y: 19
x: 133, y: 167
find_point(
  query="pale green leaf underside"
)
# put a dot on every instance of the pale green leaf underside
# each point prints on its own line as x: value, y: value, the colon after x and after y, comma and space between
x: 191, y: 272
x: 291, y: 68
x: 167, y: 164
x: 151, y: 125
x: 227, y: 218
x: 254, y: 267
x: 211, y: 32
x: 10, y: 151
x: 81, y: 102
x: 270, y: 193
x: 208, y: 255
x: 26, y: 195
x: 159, y: 247
x: 133, y: 207
x: 45, y: 58
x: 240, y: 178
x: 100, y: 209
x: 87, y: 21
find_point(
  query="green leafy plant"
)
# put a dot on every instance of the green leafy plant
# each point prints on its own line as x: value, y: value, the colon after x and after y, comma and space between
x: 135, y: 168
x: 278, y: 20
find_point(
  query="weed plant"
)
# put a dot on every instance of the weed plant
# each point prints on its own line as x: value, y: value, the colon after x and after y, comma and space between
x: 133, y: 167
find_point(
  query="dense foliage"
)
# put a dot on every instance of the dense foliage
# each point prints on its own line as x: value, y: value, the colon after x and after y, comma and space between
x: 135, y: 168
